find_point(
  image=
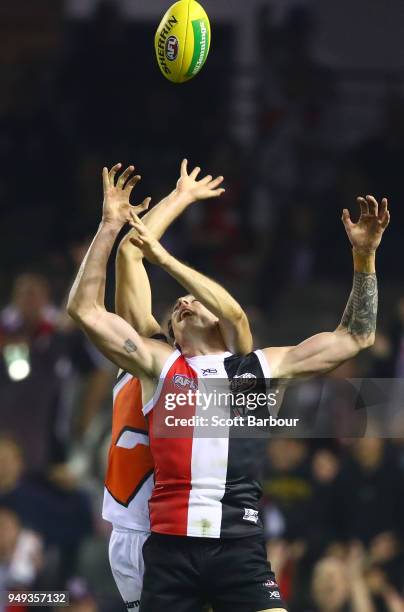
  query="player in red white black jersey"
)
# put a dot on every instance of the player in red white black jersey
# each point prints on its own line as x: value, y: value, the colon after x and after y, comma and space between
x: 129, y: 479
x: 198, y: 557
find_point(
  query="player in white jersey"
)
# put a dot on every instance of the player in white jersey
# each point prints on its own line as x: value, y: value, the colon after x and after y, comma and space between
x: 201, y: 329
x: 129, y: 479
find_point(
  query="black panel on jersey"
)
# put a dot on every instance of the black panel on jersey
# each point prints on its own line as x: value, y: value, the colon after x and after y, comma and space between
x: 243, y: 481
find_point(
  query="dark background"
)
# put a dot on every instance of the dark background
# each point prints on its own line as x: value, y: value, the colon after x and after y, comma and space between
x: 301, y: 107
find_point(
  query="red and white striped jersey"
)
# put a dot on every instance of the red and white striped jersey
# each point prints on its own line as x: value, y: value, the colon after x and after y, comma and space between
x: 129, y: 479
x: 204, y: 487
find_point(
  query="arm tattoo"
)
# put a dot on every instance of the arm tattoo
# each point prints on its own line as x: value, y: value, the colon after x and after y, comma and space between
x: 129, y: 346
x: 361, y: 310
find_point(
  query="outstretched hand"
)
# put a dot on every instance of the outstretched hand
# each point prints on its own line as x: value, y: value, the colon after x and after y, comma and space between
x: 117, y: 192
x: 366, y: 234
x: 204, y: 189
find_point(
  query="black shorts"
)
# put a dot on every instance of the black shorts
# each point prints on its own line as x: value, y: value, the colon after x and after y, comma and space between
x: 183, y: 574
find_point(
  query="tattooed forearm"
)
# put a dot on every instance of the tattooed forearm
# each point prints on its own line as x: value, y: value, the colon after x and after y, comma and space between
x: 129, y: 346
x: 361, y: 311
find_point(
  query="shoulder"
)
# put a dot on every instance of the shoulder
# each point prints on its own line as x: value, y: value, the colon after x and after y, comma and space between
x: 254, y: 364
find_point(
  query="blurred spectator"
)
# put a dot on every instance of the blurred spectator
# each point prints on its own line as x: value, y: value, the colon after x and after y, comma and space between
x: 388, y: 351
x: 20, y: 553
x: 46, y: 357
x: 339, y: 585
x: 289, y: 499
x: 288, y: 487
x: 368, y: 476
x: 326, y: 468
x: 30, y: 316
x: 45, y: 503
x: 386, y: 556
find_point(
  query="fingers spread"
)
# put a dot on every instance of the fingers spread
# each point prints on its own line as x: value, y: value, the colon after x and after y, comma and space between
x: 386, y: 220
x: 346, y: 218
x: 184, y: 167
x: 112, y: 174
x: 105, y: 178
x: 142, y: 207
x: 195, y: 173
x: 205, y: 180
x: 124, y: 176
x: 132, y: 182
x: 383, y: 208
x: 215, y: 193
x: 373, y: 205
x: 364, y: 206
x: 216, y: 182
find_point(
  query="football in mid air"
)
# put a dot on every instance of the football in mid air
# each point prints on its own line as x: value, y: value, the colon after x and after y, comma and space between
x: 182, y: 41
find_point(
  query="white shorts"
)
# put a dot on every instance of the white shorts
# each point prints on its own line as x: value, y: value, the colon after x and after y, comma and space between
x: 126, y: 559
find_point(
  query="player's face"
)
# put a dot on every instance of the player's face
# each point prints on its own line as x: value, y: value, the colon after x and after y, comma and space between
x: 189, y: 314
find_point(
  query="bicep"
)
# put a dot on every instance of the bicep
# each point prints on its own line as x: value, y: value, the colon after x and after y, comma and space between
x: 118, y: 341
x: 316, y: 355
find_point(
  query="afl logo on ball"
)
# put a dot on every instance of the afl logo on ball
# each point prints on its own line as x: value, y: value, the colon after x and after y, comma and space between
x: 171, y: 48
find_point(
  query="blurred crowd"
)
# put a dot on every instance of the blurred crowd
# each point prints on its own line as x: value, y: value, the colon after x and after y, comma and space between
x: 78, y: 97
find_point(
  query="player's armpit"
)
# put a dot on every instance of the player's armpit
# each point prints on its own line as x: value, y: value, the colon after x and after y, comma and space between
x: 120, y: 343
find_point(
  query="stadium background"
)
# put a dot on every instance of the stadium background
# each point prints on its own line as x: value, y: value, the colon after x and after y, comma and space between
x: 301, y: 107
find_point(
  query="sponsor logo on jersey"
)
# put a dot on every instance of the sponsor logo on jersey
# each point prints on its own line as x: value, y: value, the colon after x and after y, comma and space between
x: 172, y: 46
x: 243, y: 382
x: 182, y: 382
x: 207, y: 371
x: 250, y: 515
x: 270, y: 584
x: 132, y: 604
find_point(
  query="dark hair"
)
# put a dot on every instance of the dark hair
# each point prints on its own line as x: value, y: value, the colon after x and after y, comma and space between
x: 170, y: 330
x: 171, y: 334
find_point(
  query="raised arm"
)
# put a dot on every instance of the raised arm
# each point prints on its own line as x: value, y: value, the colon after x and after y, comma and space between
x: 116, y: 339
x: 324, y: 352
x: 133, y: 299
x: 232, y: 319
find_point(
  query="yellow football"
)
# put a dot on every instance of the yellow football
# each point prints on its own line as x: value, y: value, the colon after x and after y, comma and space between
x: 182, y: 41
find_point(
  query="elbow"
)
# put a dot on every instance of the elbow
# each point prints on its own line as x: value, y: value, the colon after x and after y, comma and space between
x: 76, y: 313
x: 239, y: 316
x: 370, y: 340
x: 244, y: 345
x: 81, y: 315
x: 72, y: 309
x: 364, y: 342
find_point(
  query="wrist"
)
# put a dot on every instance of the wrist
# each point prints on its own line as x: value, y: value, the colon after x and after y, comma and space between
x: 364, y: 261
x: 163, y: 258
x: 112, y: 226
x: 182, y: 197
